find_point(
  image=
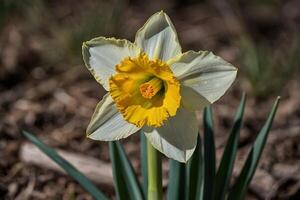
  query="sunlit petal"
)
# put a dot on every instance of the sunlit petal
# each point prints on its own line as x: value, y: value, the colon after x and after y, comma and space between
x: 107, y: 123
x: 205, y: 73
x: 177, y: 138
x: 158, y: 38
x: 101, y: 55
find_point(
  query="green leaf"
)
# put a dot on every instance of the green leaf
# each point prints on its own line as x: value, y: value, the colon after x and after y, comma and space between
x: 209, y: 154
x: 126, y: 182
x: 240, y: 187
x: 226, y: 166
x: 195, y: 174
x: 70, y: 169
x: 144, y: 163
x: 177, y: 181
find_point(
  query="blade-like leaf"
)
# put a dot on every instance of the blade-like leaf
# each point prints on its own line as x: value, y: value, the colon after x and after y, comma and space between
x: 240, y: 187
x: 225, y: 169
x: 177, y: 181
x: 126, y: 182
x: 144, y: 163
x: 122, y: 191
x: 209, y: 154
x: 70, y: 169
x: 195, y: 174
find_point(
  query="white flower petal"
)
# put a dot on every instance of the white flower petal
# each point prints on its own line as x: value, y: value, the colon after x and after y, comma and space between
x: 158, y: 38
x: 177, y: 138
x: 107, y: 123
x: 191, y: 99
x: 101, y: 55
x: 205, y: 73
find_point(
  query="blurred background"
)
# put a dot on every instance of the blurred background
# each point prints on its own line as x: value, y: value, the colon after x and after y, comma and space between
x: 45, y: 88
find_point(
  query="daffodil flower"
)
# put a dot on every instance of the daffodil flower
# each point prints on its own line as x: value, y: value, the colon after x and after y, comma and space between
x: 153, y: 86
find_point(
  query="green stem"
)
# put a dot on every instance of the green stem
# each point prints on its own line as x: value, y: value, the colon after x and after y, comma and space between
x: 154, y: 173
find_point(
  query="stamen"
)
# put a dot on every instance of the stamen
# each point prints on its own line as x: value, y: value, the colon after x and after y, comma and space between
x: 150, y: 88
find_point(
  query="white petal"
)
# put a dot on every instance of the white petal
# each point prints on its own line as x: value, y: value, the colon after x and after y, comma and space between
x: 107, y: 123
x: 177, y: 138
x: 191, y: 99
x: 158, y: 37
x: 101, y: 55
x: 205, y: 73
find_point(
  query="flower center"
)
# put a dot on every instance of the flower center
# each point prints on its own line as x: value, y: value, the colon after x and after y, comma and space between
x: 150, y: 88
x: 145, y: 91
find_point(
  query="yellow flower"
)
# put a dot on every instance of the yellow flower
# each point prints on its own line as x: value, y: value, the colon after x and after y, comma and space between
x: 153, y: 86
